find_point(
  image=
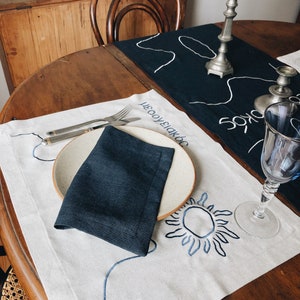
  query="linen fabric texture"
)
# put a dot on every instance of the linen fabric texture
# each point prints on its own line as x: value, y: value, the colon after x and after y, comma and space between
x: 212, y: 101
x: 116, y: 193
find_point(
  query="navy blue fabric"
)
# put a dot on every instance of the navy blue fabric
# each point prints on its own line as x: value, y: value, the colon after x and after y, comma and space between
x: 185, y: 79
x: 116, y: 193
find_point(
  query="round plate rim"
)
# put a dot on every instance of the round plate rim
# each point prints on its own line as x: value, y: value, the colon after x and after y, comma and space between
x: 132, y: 130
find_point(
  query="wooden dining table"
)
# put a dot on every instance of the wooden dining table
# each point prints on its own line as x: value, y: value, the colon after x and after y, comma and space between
x: 103, y: 74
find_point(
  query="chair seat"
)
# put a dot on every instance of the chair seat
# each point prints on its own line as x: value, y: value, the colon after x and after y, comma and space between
x: 11, y: 289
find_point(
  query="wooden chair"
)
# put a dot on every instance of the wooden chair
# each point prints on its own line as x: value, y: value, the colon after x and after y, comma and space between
x: 125, y: 19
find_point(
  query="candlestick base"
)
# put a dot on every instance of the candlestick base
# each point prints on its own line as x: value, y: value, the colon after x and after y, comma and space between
x: 262, y: 102
x: 279, y: 92
x: 219, y: 66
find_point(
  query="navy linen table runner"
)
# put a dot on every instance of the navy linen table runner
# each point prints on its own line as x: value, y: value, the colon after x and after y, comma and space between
x: 225, y: 106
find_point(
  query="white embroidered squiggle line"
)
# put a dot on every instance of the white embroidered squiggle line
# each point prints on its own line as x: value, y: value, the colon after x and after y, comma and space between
x: 197, y: 41
x: 295, y: 98
x: 254, y: 145
x: 230, y: 90
x: 180, y: 39
x: 272, y: 66
x: 138, y: 44
x: 297, y: 129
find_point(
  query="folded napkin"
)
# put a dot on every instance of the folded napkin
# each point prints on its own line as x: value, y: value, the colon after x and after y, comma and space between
x: 116, y: 193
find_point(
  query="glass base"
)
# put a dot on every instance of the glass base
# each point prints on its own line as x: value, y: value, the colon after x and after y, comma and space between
x: 262, y: 228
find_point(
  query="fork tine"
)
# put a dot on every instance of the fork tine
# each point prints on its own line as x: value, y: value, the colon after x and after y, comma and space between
x: 122, y: 113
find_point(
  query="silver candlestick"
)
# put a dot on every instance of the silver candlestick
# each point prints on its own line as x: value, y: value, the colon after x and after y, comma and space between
x: 220, y: 65
x: 278, y: 92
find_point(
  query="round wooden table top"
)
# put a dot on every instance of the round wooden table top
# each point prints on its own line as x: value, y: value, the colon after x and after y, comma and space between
x: 104, y: 74
x: 93, y: 75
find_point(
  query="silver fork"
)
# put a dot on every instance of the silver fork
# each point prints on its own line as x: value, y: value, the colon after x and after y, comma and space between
x: 115, y: 117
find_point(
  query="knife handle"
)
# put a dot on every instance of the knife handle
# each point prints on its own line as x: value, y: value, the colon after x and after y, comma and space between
x: 60, y: 137
x: 74, y: 127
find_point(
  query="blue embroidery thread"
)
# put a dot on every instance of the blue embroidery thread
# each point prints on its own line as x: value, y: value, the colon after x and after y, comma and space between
x: 199, y: 225
x: 118, y: 263
x: 34, y: 155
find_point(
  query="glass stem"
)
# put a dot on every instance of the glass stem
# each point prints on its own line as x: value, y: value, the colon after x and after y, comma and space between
x: 269, y: 189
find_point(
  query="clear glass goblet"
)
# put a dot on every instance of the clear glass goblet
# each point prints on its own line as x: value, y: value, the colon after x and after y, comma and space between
x: 280, y: 161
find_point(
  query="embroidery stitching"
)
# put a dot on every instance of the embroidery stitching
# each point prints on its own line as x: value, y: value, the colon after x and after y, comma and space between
x: 210, y: 229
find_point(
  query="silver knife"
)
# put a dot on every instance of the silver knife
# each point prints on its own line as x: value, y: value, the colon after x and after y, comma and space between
x: 60, y: 137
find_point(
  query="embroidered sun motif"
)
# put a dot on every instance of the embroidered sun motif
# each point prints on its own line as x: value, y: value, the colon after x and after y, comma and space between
x: 201, y: 227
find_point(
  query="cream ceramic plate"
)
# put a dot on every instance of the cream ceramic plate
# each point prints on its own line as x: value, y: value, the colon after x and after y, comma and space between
x: 179, y: 184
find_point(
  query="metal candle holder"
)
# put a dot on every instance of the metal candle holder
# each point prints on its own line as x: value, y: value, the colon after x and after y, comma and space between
x: 278, y: 92
x: 220, y: 65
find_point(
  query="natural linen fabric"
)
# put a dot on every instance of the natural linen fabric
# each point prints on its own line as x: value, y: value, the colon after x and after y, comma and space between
x: 86, y: 267
x: 116, y: 193
x: 291, y: 59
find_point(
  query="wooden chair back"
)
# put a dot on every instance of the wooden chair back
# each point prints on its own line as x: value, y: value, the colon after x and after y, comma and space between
x: 125, y: 19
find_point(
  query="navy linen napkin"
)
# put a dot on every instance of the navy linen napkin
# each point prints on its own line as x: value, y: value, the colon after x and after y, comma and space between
x: 116, y: 193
